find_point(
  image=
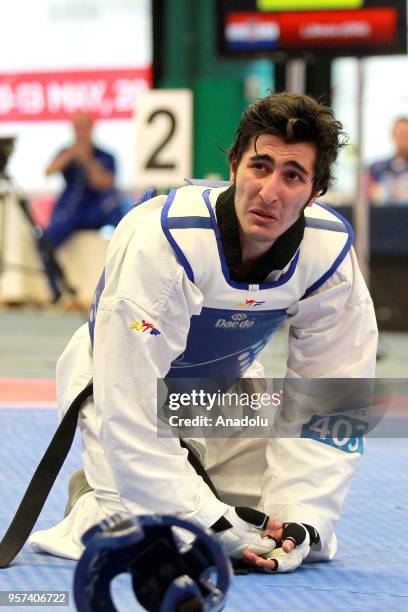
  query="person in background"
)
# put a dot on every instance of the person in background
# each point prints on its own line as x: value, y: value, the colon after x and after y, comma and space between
x: 89, y: 199
x: 388, y: 179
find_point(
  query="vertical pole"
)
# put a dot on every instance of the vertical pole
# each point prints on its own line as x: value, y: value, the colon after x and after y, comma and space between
x: 361, y: 213
x: 295, y: 76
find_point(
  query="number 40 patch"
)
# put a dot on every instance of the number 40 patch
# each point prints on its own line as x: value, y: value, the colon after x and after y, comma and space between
x: 340, y: 431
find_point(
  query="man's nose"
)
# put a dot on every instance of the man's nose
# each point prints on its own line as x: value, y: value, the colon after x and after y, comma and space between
x: 270, y: 188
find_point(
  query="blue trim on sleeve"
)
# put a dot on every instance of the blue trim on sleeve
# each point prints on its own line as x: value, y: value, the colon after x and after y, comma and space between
x: 165, y: 226
x: 342, y: 219
x: 94, y: 306
x: 189, y: 222
x: 224, y: 267
x: 342, y: 254
x: 333, y: 226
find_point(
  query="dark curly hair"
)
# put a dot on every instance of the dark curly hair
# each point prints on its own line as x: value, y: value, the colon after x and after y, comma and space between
x: 294, y: 118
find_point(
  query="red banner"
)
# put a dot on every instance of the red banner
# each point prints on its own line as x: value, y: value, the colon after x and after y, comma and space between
x: 372, y: 26
x: 55, y: 96
x: 365, y: 27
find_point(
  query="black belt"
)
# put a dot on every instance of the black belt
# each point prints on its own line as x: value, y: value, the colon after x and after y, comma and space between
x: 46, y: 474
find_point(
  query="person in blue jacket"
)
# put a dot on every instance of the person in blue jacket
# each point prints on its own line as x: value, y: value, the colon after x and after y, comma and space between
x: 89, y: 199
x: 388, y: 178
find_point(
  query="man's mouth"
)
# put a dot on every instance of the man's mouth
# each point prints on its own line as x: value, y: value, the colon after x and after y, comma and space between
x: 264, y: 215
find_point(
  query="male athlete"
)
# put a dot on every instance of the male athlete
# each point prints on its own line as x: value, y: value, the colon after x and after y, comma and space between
x: 178, y: 265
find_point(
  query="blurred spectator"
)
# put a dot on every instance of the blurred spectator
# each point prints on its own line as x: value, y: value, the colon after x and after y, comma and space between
x: 89, y: 199
x: 388, y: 179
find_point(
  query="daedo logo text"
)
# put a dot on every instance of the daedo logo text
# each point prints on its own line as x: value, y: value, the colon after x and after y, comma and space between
x: 238, y: 320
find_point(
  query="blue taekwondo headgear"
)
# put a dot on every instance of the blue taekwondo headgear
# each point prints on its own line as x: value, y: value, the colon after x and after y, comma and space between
x: 167, y: 574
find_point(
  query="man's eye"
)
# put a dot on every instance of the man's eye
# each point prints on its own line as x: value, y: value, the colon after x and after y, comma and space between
x: 258, y: 166
x: 294, y: 176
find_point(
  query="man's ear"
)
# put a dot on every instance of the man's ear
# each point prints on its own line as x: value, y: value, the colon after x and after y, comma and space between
x: 312, y: 198
x: 233, y: 169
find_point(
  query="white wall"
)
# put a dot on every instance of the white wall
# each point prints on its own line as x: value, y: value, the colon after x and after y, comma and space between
x: 60, y: 35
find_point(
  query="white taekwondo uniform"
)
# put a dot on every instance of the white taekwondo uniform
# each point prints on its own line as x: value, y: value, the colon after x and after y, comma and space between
x: 157, y: 312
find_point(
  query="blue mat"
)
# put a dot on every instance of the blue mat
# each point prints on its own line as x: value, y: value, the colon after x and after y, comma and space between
x: 369, y: 573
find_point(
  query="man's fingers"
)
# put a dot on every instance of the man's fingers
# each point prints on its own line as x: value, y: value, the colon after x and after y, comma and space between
x: 269, y: 565
x: 250, y: 557
x: 288, y: 546
x: 253, y: 559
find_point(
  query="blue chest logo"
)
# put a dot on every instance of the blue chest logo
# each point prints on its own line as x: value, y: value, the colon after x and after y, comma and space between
x: 225, y: 342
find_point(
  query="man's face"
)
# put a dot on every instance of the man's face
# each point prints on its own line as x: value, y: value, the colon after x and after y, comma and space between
x: 82, y: 124
x: 401, y: 138
x: 273, y: 184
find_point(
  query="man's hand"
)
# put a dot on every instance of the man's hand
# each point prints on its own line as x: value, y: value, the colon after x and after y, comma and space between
x: 81, y: 152
x: 296, y: 541
x: 245, y: 529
